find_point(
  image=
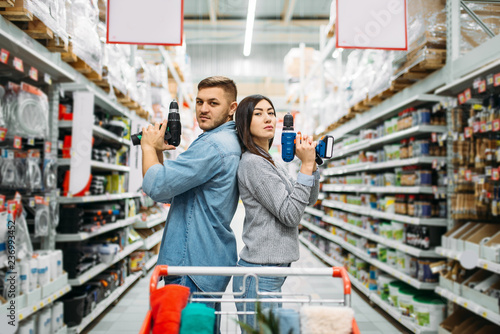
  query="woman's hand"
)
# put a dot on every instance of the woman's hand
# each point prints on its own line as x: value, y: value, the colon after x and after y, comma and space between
x: 154, y: 138
x: 305, y: 150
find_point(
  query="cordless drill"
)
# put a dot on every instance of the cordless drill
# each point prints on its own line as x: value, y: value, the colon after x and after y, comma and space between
x: 324, y: 149
x: 173, y: 132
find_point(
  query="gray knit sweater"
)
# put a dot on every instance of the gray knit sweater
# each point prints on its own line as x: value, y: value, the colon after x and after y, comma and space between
x: 274, y: 204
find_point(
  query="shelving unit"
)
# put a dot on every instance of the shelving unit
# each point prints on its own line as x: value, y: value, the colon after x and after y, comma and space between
x: 359, y: 188
x: 368, y: 166
x: 150, y: 222
x: 369, y: 143
x: 108, y: 227
x: 36, y: 306
x: 151, y: 262
x: 96, y: 198
x: 362, y: 255
x: 374, y: 297
x: 152, y: 240
x: 103, y: 266
x: 98, y: 166
x: 381, y: 240
x: 481, y: 263
x: 99, y: 132
x: 470, y: 305
x: 380, y: 214
x: 101, y: 307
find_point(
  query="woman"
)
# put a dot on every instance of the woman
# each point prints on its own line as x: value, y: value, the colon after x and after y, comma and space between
x: 274, y: 202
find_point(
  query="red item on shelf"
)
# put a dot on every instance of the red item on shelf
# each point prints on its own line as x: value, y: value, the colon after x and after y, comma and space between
x: 66, y: 151
x: 65, y: 186
x: 64, y: 115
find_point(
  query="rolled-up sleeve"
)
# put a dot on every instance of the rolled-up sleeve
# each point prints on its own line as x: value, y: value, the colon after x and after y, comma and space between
x: 306, y: 180
x: 192, y: 168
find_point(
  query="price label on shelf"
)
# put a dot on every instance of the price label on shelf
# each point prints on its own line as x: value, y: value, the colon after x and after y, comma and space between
x: 467, y: 132
x: 482, y: 86
x: 495, y: 174
x: 487, y: 171
x: 489, y: 79
x: 496, y: 80
x: 496, y: 125
x: 485, y: 266
x: 467, y: 94
x: 48, y: 146
x: 18, y: 142
x: 3, y: 133
x: 489, y: 126
x: 31, y: 141
x: 476, y: 127
x: 33, y: 73
x: 461, y: 98
x: 468, y: 175
x: 434, y: 164
x: 4, y: 56
x: 483, y: 127
x: 18, y: 64
x: 434, y: 137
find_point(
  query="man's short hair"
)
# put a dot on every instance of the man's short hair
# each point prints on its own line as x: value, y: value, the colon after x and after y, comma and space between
x: 227, y: 85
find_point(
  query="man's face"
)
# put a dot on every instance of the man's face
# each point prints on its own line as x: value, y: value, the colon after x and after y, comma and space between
x: 213, y: 108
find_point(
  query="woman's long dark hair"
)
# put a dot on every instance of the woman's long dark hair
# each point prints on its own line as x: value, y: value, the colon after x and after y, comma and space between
x: 244, y: 114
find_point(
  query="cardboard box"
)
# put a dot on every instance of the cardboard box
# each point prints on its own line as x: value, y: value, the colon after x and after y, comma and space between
x: 479, y: 298
x: 473, y: 243
x: 471, y: 325
x: 460, y: 243
x: 452, y: 237
x: 491, y: 249
x: 454, y: 320
x: 445, y: 237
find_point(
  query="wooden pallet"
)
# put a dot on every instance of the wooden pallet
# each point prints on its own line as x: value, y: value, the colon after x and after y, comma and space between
x: 57, y: 45
x: 25, y: 20
x: 6, y: 3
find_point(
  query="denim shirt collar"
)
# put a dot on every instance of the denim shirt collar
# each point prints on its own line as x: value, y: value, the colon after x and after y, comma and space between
x: 228, y: 125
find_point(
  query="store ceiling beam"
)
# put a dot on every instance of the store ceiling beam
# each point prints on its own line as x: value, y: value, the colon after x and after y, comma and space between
x: 212, y: 10
x: 288, y: 9
x: 477, y: 19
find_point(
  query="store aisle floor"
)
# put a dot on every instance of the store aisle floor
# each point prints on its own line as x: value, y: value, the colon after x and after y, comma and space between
x: 127, y: 315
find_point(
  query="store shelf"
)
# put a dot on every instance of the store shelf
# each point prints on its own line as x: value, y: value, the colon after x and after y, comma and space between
x: 381, y: 240
x: 413, y: 97
x: 373, y: 296
x: 470, y: 305
x: 321, y: 196
x: 384, y: 215
x: 36, y: 306
x: 314, y: 212
x: 481, y: 263
x: 151, y: 221
x: 98, y: 166
x: 103, y: 266
x: 368, y: 166
x: 103, y: 305
x: 21, y: 45
x: 369, y: 143
x: 106, y: 228
x: 96, y: 198
x: 99, y: 132
x: 63, y: 330
x: 152, y: 240
x: 359, y: 188
x: 361, y: 254
x: 151, y: 262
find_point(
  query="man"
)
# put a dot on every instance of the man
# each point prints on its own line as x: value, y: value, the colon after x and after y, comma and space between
x: 201, y: 185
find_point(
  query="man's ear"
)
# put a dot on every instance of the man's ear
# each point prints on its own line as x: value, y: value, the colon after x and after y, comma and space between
x: 232, y: 108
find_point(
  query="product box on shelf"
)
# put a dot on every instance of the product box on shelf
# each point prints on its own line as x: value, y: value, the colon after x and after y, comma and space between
x: 473, y: 243
x: 491, y: 249
x: 445, y: 238
x: 477, y: 287
x: 460, y: 243
x: 462, y: 321
x: 55, y: 285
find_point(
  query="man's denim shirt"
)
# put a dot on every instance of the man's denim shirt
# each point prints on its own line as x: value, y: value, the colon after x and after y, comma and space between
x: 202, y: 187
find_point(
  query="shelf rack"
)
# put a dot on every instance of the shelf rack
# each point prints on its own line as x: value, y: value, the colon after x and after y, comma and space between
x: 151, y: 221
x: 99, y: 132
x: 152, y: 240
x: 96, y: 198
x: 107, y: 228
x: 359, y: 188
x: 98, y: 166
x: 103, y: 305
x: 361, y: 254
x: 103, y: 266
x: 481, y: 263
x: 374, y: 297
x: 384, y: 215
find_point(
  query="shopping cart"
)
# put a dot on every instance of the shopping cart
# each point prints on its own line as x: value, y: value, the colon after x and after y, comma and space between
x: 164, y: 270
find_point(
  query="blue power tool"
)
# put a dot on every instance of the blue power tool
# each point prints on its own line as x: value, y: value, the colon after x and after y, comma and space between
x: 324, y: 149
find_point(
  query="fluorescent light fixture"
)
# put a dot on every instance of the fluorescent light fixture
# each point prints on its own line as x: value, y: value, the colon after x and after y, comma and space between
x: 249, y: 29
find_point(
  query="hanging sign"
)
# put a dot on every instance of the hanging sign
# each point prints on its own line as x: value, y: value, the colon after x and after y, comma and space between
x: 151, y: 22
x: 368, y: 24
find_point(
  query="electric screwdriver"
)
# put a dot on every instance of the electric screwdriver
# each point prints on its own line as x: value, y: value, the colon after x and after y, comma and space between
x: 324, y: 149
x: 173, y: 132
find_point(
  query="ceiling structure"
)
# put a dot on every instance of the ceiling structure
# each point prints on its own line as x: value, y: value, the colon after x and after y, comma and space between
x: 276, y: 21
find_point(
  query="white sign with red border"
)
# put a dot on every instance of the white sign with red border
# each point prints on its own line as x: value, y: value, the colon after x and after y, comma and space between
x: 372, y: 24
x: 148, y: 22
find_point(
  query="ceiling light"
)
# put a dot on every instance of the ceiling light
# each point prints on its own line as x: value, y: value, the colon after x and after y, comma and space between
x: 249, y: 29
